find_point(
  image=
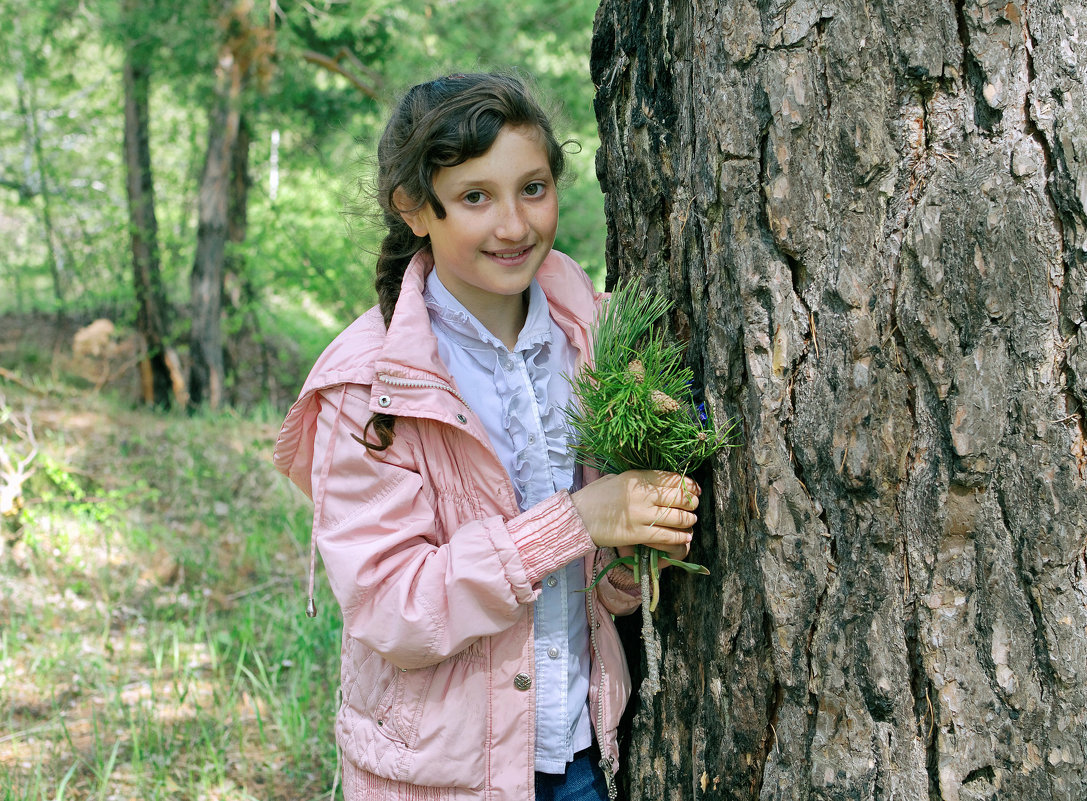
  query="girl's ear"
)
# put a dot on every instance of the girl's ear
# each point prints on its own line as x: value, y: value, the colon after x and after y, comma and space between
x: 410, y: 212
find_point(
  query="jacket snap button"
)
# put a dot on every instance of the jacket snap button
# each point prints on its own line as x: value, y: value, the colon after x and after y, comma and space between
x: 461, y: 418
x: 522, y: 681
x: 384, y: 401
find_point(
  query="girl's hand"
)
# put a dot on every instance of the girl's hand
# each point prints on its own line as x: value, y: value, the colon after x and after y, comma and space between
x: 640, y: 507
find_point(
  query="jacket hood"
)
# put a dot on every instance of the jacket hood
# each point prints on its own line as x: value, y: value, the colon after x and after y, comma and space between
x: 408, y: 348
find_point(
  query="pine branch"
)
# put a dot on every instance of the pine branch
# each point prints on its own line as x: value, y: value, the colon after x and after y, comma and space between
x: 634, y: 409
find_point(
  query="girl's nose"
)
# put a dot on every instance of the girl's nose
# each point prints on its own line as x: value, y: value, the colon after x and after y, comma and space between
x: 512, y: 225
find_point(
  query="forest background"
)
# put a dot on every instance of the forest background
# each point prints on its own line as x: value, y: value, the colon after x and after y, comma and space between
x: 152, y: 565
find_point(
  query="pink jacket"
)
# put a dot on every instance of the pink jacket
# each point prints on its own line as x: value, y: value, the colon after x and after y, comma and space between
x: 434, y: 567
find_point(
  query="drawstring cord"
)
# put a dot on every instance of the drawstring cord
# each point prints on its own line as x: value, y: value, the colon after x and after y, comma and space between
x: 311, y: 606
x: 318, y: 506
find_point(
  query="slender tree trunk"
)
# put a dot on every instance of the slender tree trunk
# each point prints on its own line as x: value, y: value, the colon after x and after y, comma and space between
x: 239, y: 292
x: 240, y: 182
x: 151, y: 319
x: 872, y: 217
x: 36, y: 156
x: 206, y: 382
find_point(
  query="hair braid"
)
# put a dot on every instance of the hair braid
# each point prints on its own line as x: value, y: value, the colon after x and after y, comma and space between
x: 397, y: 248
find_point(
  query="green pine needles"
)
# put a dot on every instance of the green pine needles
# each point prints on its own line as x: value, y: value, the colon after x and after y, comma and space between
x: 635, y: 409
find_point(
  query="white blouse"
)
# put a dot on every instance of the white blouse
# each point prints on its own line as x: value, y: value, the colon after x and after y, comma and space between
x: 521, y: 398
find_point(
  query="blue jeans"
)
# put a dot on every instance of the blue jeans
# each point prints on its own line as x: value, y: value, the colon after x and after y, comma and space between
x: 583, y: 781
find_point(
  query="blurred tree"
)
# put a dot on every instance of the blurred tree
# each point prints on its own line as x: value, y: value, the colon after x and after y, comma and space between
x: 35, y: 180
x: 65, y: 227
x: 246, y: 52
x: 152, y: 315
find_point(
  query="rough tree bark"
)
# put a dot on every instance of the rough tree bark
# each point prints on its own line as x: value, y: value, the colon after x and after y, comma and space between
x: 873, y: 218
x: 151, y: 317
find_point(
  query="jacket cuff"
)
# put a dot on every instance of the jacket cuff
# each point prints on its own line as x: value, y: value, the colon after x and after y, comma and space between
x: 550, y: 535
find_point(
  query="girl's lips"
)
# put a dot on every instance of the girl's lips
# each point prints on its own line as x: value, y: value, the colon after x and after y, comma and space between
x: 510, y: 258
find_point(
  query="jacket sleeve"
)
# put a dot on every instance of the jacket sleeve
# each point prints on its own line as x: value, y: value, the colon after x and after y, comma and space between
x: 403, y: 594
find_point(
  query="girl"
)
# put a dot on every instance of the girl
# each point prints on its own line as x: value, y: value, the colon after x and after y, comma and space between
x: 450, y: 515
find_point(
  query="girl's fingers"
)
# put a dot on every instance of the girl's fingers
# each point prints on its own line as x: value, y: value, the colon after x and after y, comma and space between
x: 677, y: 552
x: 671, y: 517
x: 639, y: 507
x: 670, y: 489
x: 677, y: 499
x: 659, y: 537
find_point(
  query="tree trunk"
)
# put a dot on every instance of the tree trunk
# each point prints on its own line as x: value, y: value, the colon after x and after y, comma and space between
x: 872, y: 218
x: 35, y: 155
x: 151, y: 317
x: 240, y: 294
x: 206, y: 382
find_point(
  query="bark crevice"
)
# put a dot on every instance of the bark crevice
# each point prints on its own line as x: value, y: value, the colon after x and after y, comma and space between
x: 986, y: 117
x: 1042, y: 656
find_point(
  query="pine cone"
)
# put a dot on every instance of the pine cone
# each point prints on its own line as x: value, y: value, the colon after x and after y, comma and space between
x: 663, y: 402
x: 637, y: 369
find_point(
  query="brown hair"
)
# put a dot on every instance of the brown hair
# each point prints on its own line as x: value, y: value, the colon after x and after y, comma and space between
x: 440, y: 123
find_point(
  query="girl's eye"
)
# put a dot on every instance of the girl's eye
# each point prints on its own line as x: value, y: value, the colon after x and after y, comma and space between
x: 474, y: 197
x: 534, y: 189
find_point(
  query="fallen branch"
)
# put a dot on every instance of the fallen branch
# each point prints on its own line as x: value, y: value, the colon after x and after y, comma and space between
x: 14, y: 378
x: 15, y: 472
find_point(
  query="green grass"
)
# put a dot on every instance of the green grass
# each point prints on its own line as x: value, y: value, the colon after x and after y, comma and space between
x: 153, y: 640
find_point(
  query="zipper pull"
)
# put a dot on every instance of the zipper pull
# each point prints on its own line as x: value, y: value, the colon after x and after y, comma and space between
x: 609, y: 779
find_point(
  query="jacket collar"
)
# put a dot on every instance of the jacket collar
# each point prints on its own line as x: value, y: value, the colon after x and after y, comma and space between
x: 410, y: 349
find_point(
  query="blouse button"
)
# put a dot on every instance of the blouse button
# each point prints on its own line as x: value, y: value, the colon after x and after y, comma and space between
x: 522, y: 681
x: 531, y: 438
x: 552, y: 581
x: 461, y: 418
x: 553, y: 652
x: 384, y: 401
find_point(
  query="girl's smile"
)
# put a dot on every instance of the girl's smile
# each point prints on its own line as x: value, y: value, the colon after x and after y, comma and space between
x: 501, y: 215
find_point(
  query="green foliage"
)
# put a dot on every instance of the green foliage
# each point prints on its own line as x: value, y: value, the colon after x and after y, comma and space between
x: 634, y: 407
x: 64, y: 187
x: 153, y: 641
x: 63, y: 206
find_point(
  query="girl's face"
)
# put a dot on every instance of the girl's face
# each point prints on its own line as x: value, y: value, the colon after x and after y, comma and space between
x: 501, y: 213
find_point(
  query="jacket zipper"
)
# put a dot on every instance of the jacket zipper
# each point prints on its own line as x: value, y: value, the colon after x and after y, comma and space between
x: 416, y: 383
x: 605, y: 759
